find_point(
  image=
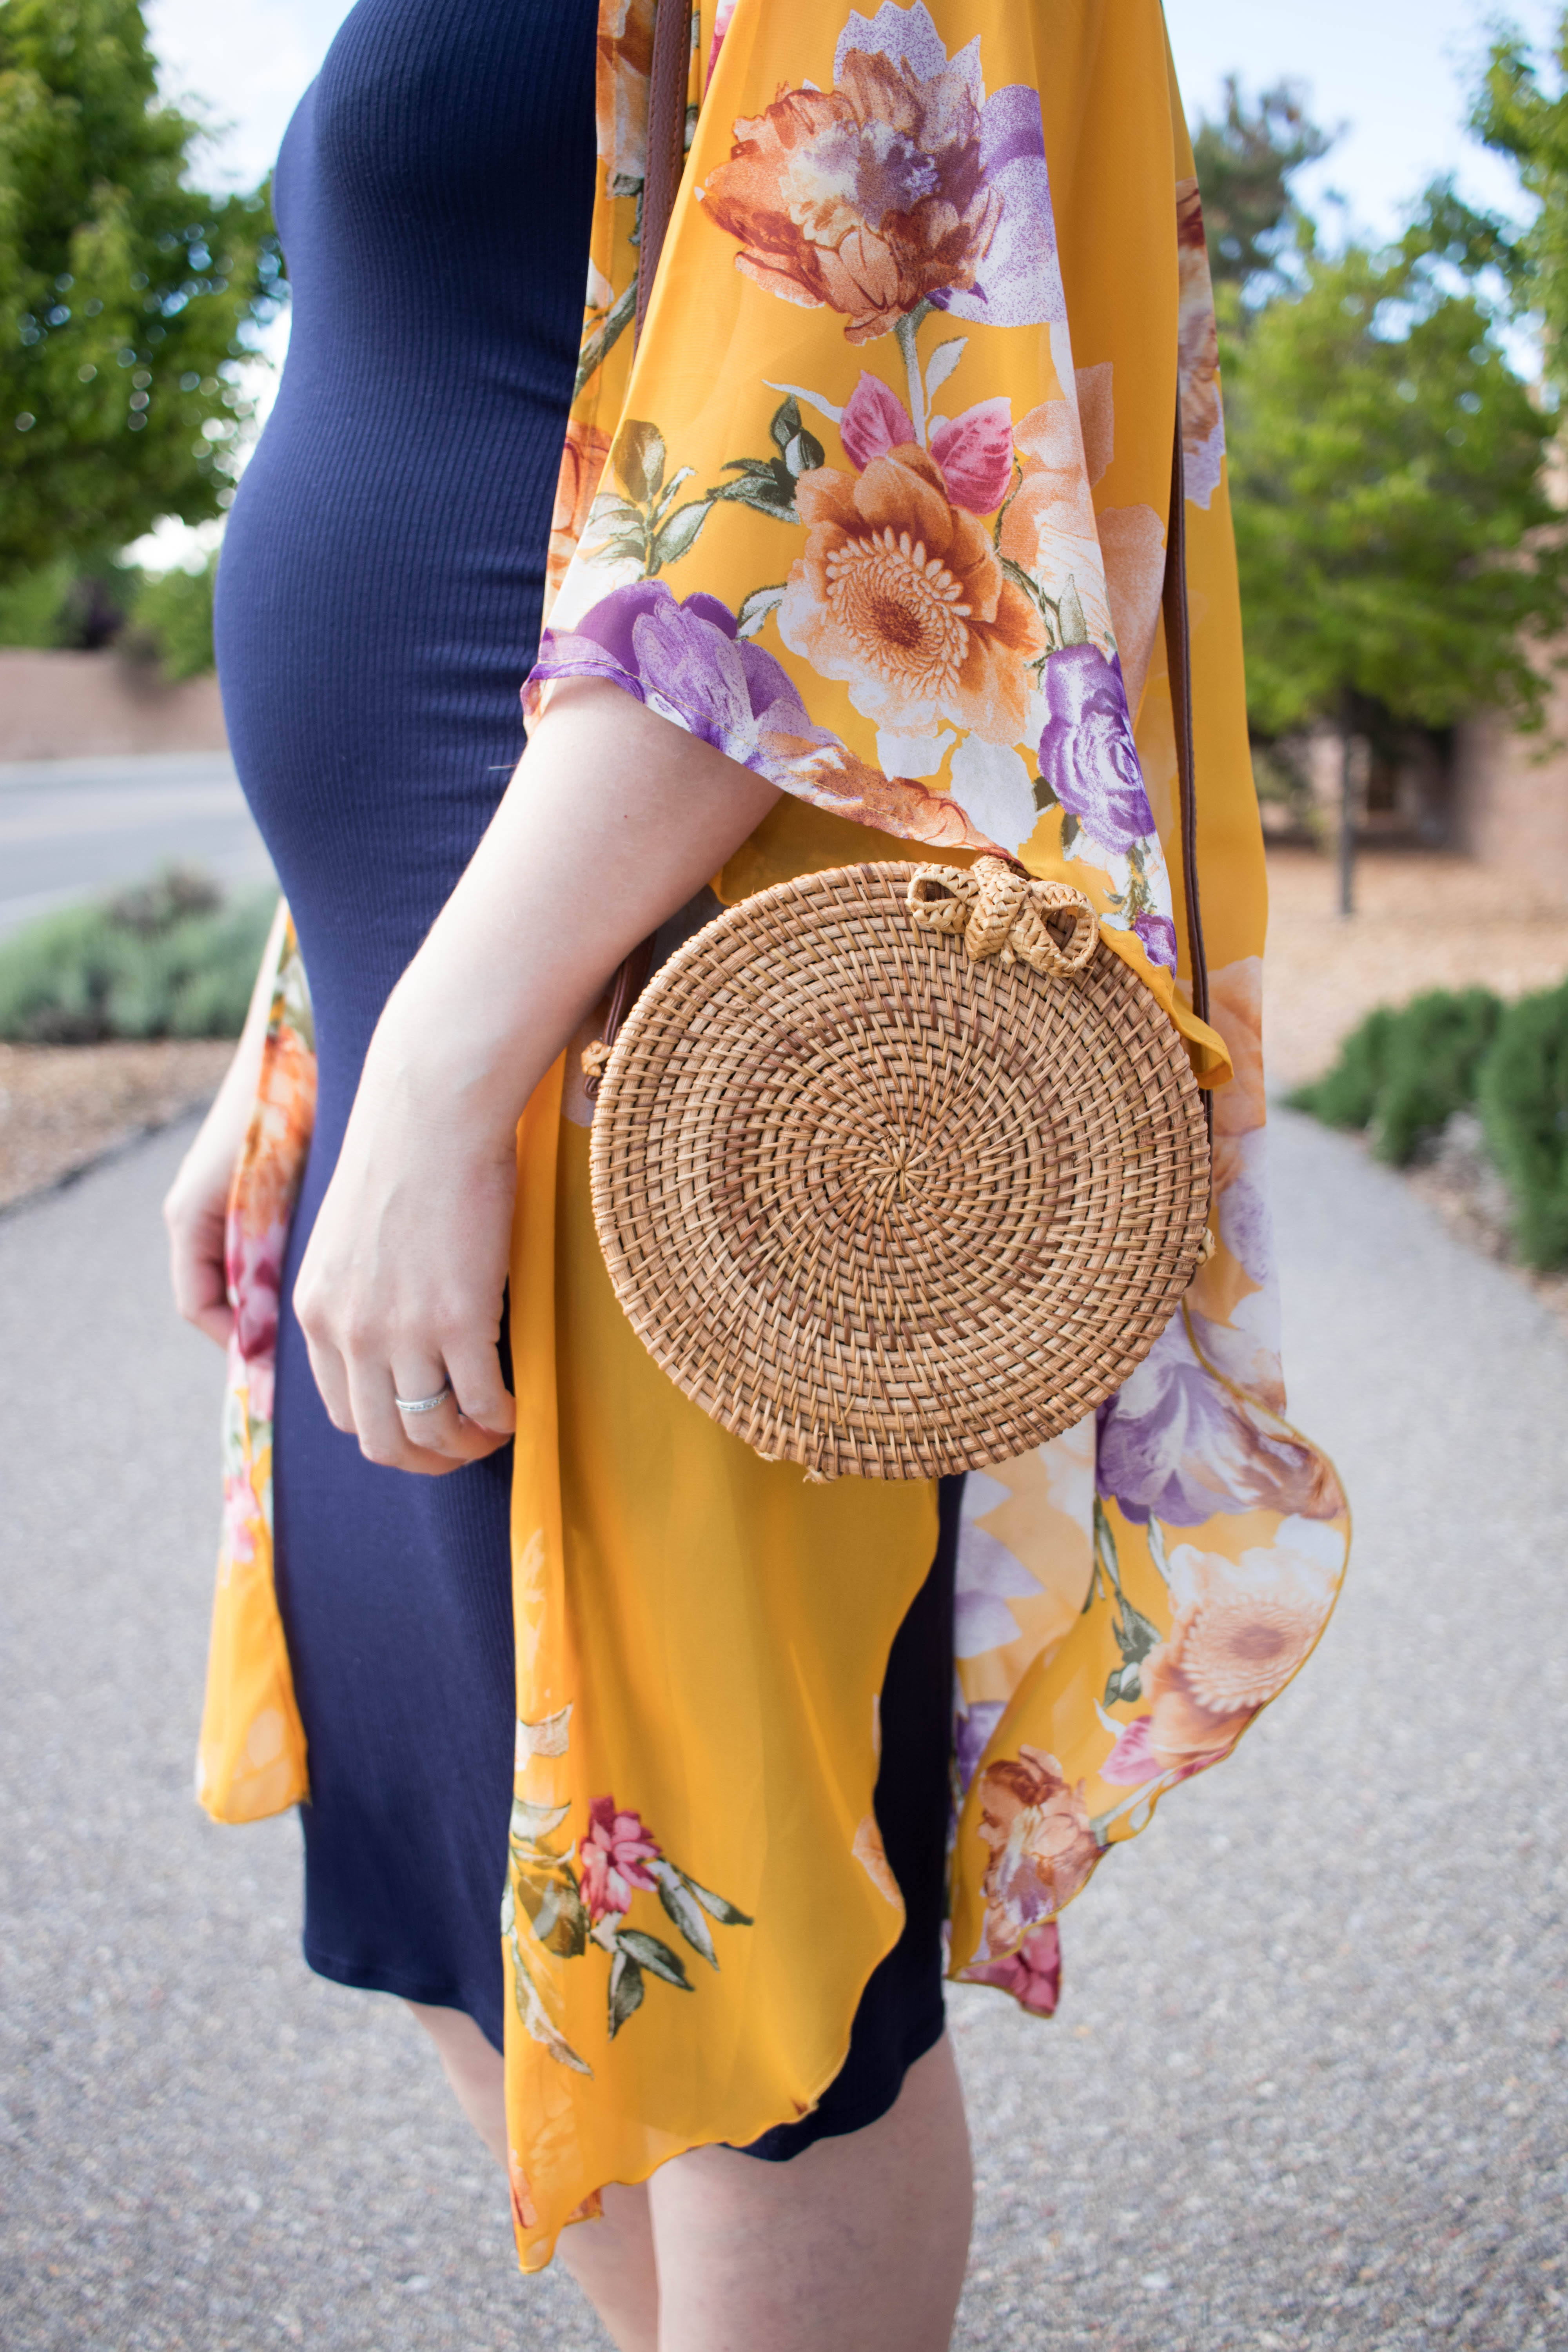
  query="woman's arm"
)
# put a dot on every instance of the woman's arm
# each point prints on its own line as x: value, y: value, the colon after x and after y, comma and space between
x: 196, y: 1203
x: 614, y: 819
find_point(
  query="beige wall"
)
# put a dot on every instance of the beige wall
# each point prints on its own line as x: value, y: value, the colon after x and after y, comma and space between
x: 59, y: 706
x: 1511, y: 804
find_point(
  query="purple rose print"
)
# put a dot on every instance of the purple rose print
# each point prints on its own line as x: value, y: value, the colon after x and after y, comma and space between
x: 1176, y: 1446
x: 972, y: 1727
x: 687, y: 662
x: 1013, y: 279
x: 1158, y: 934
x: 1087, y: 756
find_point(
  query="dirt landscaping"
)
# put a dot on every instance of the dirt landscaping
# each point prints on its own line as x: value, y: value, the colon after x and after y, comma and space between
x: 63, y: 1106
x: 1424, y: 919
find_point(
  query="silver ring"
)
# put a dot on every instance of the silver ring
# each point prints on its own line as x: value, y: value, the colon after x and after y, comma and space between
x: 423, y: 1404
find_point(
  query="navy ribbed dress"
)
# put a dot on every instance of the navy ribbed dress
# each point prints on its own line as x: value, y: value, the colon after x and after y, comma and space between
x: 379, y: 605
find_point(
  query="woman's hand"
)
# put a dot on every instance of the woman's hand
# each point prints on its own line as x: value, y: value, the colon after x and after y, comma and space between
x: 196, y: 1206
x: 614, y: 819
x: 400, y: 1291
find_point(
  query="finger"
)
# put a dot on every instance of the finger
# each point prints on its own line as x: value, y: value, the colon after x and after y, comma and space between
x: 473, y: 1368
x: 333, y: 1380
x: 377, y: 1422
x: 200, y: 1285
x: 445, y: 1430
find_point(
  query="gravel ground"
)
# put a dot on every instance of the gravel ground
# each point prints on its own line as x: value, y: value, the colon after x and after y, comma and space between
x: 63, y: 1106
x: 1308, y: 2086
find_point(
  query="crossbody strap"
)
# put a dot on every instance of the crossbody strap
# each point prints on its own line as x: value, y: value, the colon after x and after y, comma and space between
x: 1179, y: 662
x: 667, y: 82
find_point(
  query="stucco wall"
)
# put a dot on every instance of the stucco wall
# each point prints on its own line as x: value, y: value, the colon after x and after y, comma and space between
x: 1510, y: 803
x: 60, y: 706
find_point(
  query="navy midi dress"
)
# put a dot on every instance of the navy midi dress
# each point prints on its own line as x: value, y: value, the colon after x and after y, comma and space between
x: 379, y: 604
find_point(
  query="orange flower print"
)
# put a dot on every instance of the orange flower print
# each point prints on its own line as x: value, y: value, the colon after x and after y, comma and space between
x: 904, y: 184
x: 1042, y: 1848
x: 900, y: 594
x: 867, y: 198
x: 583, y: 462
x: 1242, y: 1630
x: 623, y: 65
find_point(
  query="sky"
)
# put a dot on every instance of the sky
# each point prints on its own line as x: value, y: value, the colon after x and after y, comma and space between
x: 1391, y: 74
x: 1394, y: 72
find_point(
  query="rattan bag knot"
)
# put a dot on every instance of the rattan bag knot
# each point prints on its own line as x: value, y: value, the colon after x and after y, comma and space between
x: 997, y: 911
x: 900, y: 1171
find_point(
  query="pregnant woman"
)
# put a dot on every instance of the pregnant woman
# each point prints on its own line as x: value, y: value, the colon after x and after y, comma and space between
x: 618, y: 1747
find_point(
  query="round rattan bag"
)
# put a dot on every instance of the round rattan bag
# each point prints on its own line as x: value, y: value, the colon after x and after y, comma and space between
x: 898, y: 1170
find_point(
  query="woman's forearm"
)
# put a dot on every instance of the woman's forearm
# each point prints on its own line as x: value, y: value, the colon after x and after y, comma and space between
x: 613, y: 820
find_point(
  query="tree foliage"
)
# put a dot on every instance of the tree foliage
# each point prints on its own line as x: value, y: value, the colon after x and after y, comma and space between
x: 1245, y: 161
x: 1395, y: 539
x: 1516, y: 114
x: 130, y: 296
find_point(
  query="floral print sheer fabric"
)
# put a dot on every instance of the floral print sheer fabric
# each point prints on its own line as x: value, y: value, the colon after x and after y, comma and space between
x: 878, y: 507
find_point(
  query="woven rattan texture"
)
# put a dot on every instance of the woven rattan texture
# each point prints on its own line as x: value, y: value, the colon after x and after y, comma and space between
x: 885, y: 1210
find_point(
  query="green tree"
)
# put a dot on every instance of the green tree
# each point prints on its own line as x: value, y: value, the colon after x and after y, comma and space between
x: 1401, y: 561
x: 1516, y: 114
x: 131, y: 298
x: 1245, y: 161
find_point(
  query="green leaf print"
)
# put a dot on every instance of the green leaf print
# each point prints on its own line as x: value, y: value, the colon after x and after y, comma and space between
x: 626, y: 1990
x: 560, y: 1918
x: 617, y: 318
x: 755, y: 609
x: 530, y: 1824
x: 656, y: 1957
x: 1124, y: 1684
x: 638, y: 458
x: 716, y: 1906
x: 685, y: 1910
x: 536, y: 2022
x: 674, y: 538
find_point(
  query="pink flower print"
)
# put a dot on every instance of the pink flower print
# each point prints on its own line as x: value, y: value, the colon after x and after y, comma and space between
x: 1133, y: 1761
x: 612, y: 1858
x: 254, y: 1263
x: 240, y: 1513
x: 1032, y: 1975
x: 975, y: 451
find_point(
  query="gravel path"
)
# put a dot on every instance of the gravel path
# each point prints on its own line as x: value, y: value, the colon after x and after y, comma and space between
x: 1307, y: 2087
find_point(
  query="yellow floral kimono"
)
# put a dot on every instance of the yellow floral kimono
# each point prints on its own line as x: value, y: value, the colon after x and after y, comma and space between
x: 879, y: 504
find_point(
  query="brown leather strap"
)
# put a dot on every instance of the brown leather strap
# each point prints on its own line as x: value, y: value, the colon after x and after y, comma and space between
x: 1179, y: 661
x: 668, y: 83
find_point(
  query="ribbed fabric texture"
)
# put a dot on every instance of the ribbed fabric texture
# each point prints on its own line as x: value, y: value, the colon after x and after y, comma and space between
x: 379, y: 604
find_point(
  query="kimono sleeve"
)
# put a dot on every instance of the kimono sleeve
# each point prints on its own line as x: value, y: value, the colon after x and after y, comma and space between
x: 836, y: 514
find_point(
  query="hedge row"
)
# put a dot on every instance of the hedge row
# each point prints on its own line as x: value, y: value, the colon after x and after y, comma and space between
x: 168, y: 960
x: 1404, y: 1074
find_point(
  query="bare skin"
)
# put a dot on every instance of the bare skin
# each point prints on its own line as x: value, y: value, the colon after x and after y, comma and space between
x: 855, y: 2246
x: 613, y: 820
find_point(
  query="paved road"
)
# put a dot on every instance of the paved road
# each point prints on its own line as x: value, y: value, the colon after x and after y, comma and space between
x: 1309, y: 2086
x: 70, y: 828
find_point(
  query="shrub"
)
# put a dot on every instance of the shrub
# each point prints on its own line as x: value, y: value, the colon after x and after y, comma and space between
x: 171, y: 621
x: 1524, y: 1102
x: 167, y: 960
x: 1406, y: 1072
